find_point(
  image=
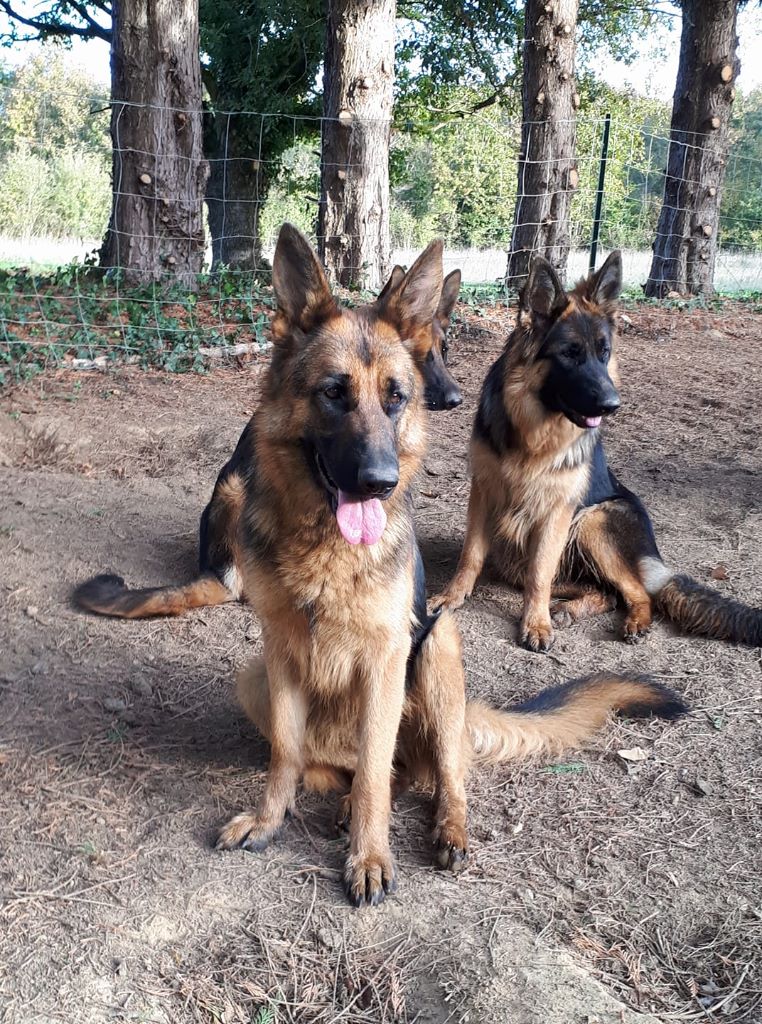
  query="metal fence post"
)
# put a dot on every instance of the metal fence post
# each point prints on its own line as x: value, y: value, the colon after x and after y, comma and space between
x: 599, y: 193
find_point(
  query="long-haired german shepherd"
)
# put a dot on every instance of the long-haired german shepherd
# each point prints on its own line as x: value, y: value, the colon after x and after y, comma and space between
x: 355, y: 675
x: 542, y: 494
x: 219, y: 573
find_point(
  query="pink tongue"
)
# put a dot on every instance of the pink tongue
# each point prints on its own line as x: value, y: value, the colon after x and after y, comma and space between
x: 593, y: 421
x: 360, y: 520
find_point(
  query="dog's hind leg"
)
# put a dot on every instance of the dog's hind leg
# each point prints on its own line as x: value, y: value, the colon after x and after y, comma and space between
x: 576, y: 601
x: 433, y: 744
x: 613, y: 537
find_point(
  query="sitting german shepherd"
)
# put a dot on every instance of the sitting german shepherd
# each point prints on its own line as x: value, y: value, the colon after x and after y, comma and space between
x: 355, y: 674
x: 542, y: 493
x: 219, y: 575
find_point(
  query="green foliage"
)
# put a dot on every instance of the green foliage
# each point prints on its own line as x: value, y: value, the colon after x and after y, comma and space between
x: 479, y: 43
x: 741, y: 219
x: 263, y: 56
x: 634, y: 184
x: 48, y: 320
x: 50, y: 106
x: 457, y: 177
x: 66, y: 195
x: 293, y: 194
x: 54, y: 152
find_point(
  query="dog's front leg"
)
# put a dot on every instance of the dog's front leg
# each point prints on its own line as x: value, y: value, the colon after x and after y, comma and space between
x: 370, y: 873
x: 288, y: 717
x: 546, y: 547
x: 474, y: 553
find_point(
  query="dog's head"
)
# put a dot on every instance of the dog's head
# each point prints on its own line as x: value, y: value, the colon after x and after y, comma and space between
x: 572, y: 336
x: 345, y: 384
x: 428, y: 343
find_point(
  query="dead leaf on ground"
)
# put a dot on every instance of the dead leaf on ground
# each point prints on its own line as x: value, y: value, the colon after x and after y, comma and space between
x: 634, y: 754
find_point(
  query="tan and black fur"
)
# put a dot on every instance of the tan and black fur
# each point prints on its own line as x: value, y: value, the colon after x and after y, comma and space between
x: 219, y: 578
x: 357, y: 684
x: 543, y: 498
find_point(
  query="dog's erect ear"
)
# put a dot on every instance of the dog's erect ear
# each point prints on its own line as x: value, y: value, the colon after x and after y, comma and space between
x: 543, y: 293
x: 398, y: 273
x: 301, y: 288
x: 606, y: 284
x: 448, y: 298
x: 416, y: 297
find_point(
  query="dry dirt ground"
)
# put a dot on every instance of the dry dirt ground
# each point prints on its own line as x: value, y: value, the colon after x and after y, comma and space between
x: 599, y: 891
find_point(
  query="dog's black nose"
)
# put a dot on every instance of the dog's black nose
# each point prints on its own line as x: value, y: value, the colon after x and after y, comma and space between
x: 453, y: 399
x: 379, y: 479
x: 610, y: 405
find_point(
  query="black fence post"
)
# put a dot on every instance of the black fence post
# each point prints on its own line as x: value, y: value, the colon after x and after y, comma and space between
x: 599, y: 193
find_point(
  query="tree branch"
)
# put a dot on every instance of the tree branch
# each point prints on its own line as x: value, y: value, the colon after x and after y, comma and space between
x: 98, y: 29
x: 44, y: 27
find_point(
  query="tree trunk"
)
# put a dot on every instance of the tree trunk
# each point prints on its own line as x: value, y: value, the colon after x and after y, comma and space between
x: 547, y: 167
x: 235, y: 194
x: 358, y: 83
x: 685, y: 248
x: 156, y: 227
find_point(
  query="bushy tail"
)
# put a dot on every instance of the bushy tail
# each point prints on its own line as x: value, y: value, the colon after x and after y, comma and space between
x: 108, y: 595
x: 699, y: 609
x: 564, y: 716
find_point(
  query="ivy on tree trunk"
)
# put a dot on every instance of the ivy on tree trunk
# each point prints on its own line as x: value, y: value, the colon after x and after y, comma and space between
x: 155, y: 231
x: 358, y: 83
x: 547, y: 165
x: 685, y: 248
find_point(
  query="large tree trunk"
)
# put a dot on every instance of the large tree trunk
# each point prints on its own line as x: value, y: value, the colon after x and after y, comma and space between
x: 159, y: 173
x: 685, y: 248
x: 235, y: 193
x: 547, y: 167
x: 358, y: 83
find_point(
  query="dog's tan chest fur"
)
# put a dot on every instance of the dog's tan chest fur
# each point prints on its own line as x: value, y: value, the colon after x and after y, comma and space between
x: 522, y: 490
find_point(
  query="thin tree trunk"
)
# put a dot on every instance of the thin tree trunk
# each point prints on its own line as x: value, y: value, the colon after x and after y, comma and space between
x: 547, y: 166
x: 156, y: 227
x: 358, y: 84
x: 235, y: 193
x: 685, y: 248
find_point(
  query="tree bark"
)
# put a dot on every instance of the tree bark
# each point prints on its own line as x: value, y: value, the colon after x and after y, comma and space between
x: 547, y: 167
x: 358, y: 84
x: 156, y: 227
x: 235, y: 193
x: 685, y: 248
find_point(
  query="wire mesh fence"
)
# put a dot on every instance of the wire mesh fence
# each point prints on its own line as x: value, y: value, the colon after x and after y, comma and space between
x: 451, y: 177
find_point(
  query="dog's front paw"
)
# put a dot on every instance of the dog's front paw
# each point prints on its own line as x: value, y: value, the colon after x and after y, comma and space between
x: 637, y: 625
x: 245, y: 832
x: 537, y: 635
x: 370, y: 878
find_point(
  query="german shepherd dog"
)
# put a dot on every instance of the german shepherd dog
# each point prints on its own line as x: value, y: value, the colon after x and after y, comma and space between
x: 219, y: 574
x: 542, y: 495
x: 357, y: 683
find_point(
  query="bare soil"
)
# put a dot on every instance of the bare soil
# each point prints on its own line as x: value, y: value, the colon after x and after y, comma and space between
x: 600, y: 891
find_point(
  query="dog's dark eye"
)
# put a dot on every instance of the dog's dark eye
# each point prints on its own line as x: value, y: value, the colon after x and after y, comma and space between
x: 333, y: 392
x: 573, y: 352
x: 396, y: 398
x: 445, y: 350
x: 603, y: 348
